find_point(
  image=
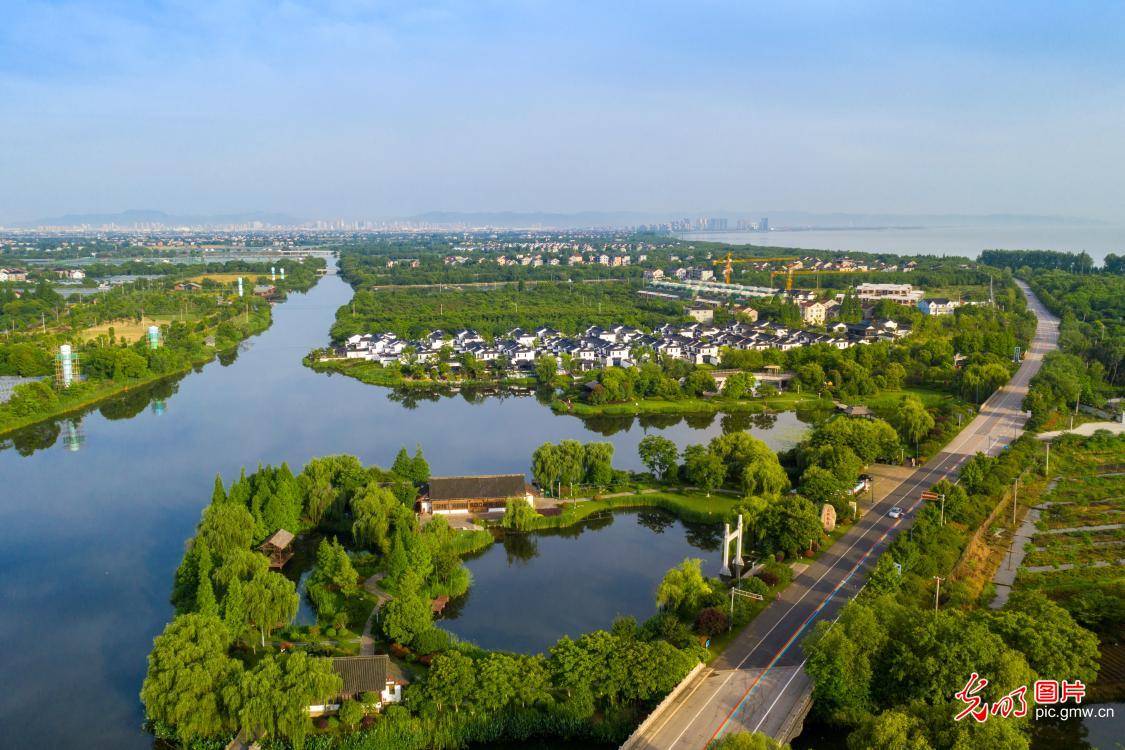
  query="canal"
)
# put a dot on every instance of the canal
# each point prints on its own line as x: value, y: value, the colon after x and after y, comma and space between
x: 96, y: 510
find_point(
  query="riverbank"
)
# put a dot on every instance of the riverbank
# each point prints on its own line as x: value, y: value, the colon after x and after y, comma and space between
x: 373, y: 373
x: 84, y: 395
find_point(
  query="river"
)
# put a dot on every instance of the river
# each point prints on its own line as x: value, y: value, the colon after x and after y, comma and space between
x: 96, y: 510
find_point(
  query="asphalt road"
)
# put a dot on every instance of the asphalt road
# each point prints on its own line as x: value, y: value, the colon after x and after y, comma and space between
x: 760, y: 681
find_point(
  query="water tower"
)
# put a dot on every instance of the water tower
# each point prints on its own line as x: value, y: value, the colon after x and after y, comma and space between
x: 239, y: 286
x: 66, y: 366
x: 154, y: 337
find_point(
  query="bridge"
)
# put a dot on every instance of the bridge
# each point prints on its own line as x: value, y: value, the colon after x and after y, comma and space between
x: 759, y: 682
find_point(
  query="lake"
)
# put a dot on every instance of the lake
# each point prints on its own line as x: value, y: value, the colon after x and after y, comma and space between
x: 1097, y: 240
x: 96, y: 511
x: 590, y: 574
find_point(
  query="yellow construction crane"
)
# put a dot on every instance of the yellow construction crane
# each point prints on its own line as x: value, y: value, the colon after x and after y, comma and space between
x: 729, y: 261
x: 790, y: 273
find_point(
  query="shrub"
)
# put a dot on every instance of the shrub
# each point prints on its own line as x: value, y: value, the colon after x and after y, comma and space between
x: 433, y: 640
x: 756, y: 585
x: 351, y: 714
x: 711, y: 621
x: 767, y: 577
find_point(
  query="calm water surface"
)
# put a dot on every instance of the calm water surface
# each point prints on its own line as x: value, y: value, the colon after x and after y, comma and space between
x: 95, y: 512
x: 529, y: 590
x: 968, y: 241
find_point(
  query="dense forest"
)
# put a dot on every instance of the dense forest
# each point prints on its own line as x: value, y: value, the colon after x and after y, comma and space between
x: 569, y: 308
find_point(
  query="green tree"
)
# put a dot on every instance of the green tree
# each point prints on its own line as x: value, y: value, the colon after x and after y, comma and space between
x: 683, y: 588
x: 419, y: 467
x: 205, y: 603
x: 659, y: 454
x: 746, y: 741
x: 703, y: 468
x: 351, y: 713
x: 913, y: 420
x: 738, y: 385
x: 373, y: 508
x: 546, y: 466
x: 598, y: 464
x: 519, y: 515
x: 406, y: 616
x: 820, y: 486
x: 187, y: 670
x: 219, y: 493
x: 546, y: 369
x: 271, y: 600
x: 787, y: 524
x: 225, y: 528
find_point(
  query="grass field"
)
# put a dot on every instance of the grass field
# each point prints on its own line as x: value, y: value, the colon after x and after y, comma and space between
x: 127, y: 329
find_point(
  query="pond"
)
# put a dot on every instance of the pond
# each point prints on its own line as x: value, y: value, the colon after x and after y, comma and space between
x: 529, y: 590
x: 96, y: 508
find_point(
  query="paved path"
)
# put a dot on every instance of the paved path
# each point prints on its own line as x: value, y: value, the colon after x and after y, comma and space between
x: 1068, y: 566
x: 1005, y: 575
x: 366, y: 642
x: 759, y: 682
x: 1086, y: 430
x: 1073, y: 529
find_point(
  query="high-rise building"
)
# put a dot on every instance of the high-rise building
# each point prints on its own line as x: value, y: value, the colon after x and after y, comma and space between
x: 764, y: 225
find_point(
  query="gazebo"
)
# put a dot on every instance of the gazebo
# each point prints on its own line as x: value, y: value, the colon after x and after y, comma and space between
x: 278, y: 548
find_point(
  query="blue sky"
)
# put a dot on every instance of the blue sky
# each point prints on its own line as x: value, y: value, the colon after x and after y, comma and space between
x: 373, y: 109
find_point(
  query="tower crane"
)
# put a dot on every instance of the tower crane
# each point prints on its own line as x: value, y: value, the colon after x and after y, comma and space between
x: 729, y: 261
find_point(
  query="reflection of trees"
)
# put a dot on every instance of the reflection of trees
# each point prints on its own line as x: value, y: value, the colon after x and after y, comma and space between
x: 814, y: 412
x: 764, y: 421
x: 659, y: 421
x: 706, y: 537
x: 132, y: 403
x: 409, y: 398
x: 699, y: 421
x: 656, y: 520
x: 737, y: 422
x: 34, y: 438
x: 607, y: 425
x: 544, y: 395
x: 520, y: 548
x: 228, y: 357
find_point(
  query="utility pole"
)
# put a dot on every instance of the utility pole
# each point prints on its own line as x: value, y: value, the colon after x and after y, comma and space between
x: 937, y: 591
x: 943, y: 509
x: 1047, y: 470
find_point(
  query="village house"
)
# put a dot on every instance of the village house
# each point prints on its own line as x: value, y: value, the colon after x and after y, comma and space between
x: 937, y: 306
x: 903, y: 294
x: 474, y: 494
x: 812, y: 313
x: 702, y: 313
x: 13, y: 274
x: 362, y: 676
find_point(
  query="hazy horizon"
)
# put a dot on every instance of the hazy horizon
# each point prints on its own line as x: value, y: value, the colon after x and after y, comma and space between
x: 386, y: 109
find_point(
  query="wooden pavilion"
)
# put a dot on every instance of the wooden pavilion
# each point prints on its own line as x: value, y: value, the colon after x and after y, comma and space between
x: 278, y: 548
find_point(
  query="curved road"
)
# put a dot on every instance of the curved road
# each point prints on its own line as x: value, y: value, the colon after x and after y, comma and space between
x: 759, y: 682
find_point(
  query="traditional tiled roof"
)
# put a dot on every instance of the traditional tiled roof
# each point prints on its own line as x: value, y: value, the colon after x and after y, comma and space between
x: 362, y: 674
x: 484, y: 486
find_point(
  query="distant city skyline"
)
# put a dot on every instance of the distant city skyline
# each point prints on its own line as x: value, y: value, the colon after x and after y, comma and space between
x: 373, y: 110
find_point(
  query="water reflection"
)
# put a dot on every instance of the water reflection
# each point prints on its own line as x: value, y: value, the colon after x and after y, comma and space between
x: 530, y: 589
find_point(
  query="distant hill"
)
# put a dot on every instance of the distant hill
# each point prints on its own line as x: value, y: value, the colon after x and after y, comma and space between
x: 141, y: 217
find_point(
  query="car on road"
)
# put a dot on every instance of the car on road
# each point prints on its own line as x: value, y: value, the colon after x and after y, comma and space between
x: 895, y: 512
